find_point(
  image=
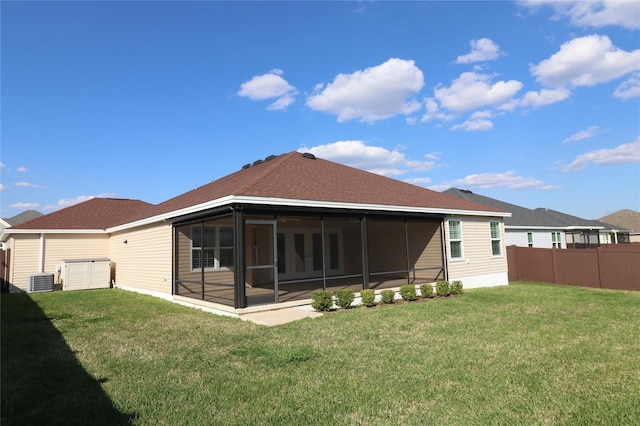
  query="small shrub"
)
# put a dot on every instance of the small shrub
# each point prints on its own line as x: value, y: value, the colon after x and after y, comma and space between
x: 442, y: 288
x: 408, y: 292
x: 387, y: 296
x: 344, y: 297
x: 426, y: 290
x: 321, y: 300
x: 368, y: 297
x: 456, y: 287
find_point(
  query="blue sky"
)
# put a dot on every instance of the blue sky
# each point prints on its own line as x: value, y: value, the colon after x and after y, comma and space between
x: 534, y: 103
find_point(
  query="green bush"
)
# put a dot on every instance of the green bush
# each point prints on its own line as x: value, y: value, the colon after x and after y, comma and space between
x: 344, y: 297
x: 426, y: 290
x: 408, y: 292
x: 322, y: 300
x: 442, y: 288
x: 387, y: 296
x: 456, y: 287
x: 368, y: 297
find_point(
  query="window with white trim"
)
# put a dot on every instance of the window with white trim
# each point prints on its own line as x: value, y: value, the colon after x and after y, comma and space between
x: 495, y: 238
x: 455, y: 239
x: 556, y: 240
x: 211, y: 247
x: 530, y: 239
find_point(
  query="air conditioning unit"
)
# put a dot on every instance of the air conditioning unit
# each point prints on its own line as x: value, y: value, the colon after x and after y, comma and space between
x: 39, y: 282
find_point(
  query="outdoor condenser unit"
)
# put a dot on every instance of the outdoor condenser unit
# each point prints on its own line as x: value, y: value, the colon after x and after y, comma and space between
x: 39, y: 282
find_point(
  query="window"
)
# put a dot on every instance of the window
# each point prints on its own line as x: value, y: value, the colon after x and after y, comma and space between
x: 556, y: 240
x: 211, y: 247
x: 530, y: 239
x: 495, y: 238
x: 455, y: 239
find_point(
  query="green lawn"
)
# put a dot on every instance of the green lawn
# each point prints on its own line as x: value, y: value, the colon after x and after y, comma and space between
x: 523, y: 354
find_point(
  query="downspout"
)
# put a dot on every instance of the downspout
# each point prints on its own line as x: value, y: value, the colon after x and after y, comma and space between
x: 445, y: 269
x: 41, y: 260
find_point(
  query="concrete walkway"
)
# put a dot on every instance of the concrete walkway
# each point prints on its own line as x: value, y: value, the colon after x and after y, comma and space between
x: 279, y: 316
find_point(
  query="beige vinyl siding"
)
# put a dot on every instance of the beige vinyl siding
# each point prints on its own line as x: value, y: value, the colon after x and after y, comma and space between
x: 144, y: 262
x: 477, y: 258
x: 25, y: 258
x: 73, y: 246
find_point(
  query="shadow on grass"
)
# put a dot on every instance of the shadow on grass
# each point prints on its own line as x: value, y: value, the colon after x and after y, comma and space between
x: 42, y: 381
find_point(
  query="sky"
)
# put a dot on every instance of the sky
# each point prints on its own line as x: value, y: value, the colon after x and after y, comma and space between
x: 535, y: 103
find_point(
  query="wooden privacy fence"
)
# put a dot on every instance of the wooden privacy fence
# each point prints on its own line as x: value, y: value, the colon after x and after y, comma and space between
x: 614, y: 266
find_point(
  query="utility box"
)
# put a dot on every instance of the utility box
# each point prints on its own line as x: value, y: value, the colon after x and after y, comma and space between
x: 85, y: 274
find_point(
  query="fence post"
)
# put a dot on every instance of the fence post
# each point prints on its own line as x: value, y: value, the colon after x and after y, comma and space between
x: 599, y: 267
x: 554, y: 265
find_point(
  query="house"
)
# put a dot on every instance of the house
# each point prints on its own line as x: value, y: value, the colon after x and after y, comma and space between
x: 273, y: 232
x: 546, y: 228
x: 625, y: 219
x: 19, y: 218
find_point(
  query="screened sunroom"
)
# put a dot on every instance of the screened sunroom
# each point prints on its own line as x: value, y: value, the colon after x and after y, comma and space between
x: 252, y: 255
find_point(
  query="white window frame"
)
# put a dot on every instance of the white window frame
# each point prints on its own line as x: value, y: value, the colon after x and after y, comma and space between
x: 455, y: 240
x: 497, y: 239
x: 556, y: 239
x: 216, y: 248
x: 529, y: 239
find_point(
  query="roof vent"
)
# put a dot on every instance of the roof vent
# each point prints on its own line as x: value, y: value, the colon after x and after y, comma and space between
x: 255, y: 163
x: 246, y: 166
x: 269, y: 158
x: 309, y: 155
x: 466, y: 191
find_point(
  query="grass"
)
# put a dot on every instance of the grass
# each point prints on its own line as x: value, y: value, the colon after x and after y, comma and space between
x: 523, y: 354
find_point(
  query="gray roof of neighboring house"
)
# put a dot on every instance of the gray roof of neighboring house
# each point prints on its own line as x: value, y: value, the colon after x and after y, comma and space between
x: 520, y: 216
x: 22, y: 217
x: 524, y: 217
x: 570, y: 220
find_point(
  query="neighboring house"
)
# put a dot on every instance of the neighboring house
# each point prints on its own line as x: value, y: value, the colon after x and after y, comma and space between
x: 587, y: 233
x: 625, y: 219
x: 19, y: 218
x: 546, y: 228
x: 274, y: 231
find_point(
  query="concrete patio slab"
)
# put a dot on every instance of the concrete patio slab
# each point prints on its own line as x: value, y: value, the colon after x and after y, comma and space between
x: 279, y: 316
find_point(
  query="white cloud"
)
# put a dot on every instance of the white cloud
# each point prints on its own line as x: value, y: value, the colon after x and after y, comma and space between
x: 28, y: 185
x: 538, y: 99
x: 22, y: 169
x: 628, y: 89
x: 373, y: 94
x: 374, y: 159
x: 625, y: 153
x: 588, y: 133
x: 473, y: 90
x: 418, y: 181
x: 25, y: 206
x: 494, y: 180
x: 2, y: 187
x: 269, y: 86
x: 586, y: 61
x: 1, y: 165
x: 593, y: 13
x: 474, y: 125
x: 433, y: 112
x: 483, y: 49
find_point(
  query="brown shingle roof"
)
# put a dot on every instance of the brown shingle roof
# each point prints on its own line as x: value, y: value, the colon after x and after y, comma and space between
x: 293, y: 176
x: 96, y: 213
x: 627, y: 219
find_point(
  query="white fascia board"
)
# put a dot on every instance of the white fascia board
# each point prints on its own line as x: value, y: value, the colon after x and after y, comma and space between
x: 584, y: 228
x: 534, y: 228
x: 288, y: 202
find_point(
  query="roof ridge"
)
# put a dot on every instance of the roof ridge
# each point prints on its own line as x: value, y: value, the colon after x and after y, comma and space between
x: 279, y: 160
